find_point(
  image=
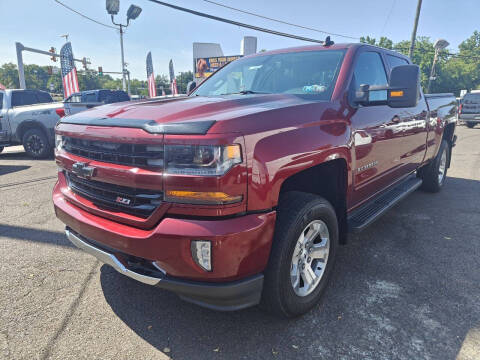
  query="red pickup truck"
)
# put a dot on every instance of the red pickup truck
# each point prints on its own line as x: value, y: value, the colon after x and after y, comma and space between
x: 241, y: 192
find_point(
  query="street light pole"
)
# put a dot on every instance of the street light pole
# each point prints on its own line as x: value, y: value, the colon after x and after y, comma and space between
x: 113, y: 6
x: 124, y: 87
x: 439, y: 45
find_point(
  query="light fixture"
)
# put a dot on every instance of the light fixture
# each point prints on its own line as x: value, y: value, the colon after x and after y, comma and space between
x: 113, y: 6
x: 202, y: 253
x: 133, y: 12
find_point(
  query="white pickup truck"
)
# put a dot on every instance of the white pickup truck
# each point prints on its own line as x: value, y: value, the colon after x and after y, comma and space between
x: 28, y: 118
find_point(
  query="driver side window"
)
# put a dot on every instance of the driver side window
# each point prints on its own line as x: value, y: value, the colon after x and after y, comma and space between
x: 369, y: 70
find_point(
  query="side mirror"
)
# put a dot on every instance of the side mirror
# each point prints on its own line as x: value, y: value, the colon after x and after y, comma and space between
x: 191, y: 86
x: 403, y: 91
x: 404, y: 88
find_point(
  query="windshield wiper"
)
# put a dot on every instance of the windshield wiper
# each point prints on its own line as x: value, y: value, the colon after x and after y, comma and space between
x: 247, y: 92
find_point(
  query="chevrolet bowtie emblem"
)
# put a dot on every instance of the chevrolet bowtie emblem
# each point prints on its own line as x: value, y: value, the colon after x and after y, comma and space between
x: 82, y: 170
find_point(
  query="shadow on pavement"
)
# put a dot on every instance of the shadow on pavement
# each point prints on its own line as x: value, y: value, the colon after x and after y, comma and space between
x: 36, y: 235
x: 8, y: 169
x: 390, y: 296
x: 22, y: 156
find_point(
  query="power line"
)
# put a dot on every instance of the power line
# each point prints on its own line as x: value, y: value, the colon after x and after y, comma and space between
x: 388, y: 16
x: 279, y: 21
x: 236, y: 23
x: 84, y: 16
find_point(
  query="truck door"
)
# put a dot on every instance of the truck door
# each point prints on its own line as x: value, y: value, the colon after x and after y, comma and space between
x: 377, y: 132
x: 4, y: 123
x: 414, y: 126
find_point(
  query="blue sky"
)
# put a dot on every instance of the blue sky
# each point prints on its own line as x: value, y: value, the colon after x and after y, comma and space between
x: 169, y: 33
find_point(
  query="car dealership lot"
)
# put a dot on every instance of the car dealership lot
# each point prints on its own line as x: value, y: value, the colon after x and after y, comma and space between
x: 406, y: 288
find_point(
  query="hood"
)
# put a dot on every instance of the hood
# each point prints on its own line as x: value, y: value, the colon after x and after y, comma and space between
x: 225, y: 112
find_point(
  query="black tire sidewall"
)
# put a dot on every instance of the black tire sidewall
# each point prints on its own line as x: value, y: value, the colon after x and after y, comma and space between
x: 297, y: 303
x: 443, y: 147
x: 46, y: 148
x: 284, y: 244
x: 470, y: 124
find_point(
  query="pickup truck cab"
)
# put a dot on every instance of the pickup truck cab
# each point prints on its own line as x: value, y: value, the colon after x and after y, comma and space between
x: 28, y: 118
x: 88, y: 99
x: 241, y: 193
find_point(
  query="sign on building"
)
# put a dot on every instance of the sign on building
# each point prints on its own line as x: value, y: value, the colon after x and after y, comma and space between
x: 204, y: 67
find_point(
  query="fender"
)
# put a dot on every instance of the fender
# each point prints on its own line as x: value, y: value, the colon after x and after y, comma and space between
x: 277, y: 157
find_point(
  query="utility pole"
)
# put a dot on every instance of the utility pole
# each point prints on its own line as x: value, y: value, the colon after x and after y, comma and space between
x: 123, y: 58
x: 414, y: 33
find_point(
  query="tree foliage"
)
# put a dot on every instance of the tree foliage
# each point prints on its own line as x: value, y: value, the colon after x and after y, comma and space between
x: 453, y: 72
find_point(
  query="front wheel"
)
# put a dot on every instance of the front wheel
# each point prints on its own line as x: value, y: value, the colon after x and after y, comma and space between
x: 434, y: 174
x: 470, y: 124
x: 1, y: 148
x: 36, y: 144
x: 302, y: 256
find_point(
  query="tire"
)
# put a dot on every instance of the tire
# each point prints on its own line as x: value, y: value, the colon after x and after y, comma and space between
x: 36, y: 144
x: 296, y: 213
x: 470, y: 124
x: 1, y: 148
x: 432, y: 175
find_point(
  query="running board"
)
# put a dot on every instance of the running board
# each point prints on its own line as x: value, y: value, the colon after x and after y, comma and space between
x: 366, y: 214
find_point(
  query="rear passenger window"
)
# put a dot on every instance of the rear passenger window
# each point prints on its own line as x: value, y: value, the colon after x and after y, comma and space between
x: 44, y: 97
x: 21, y: 98
x: 369, y: 70
x: 89, y: 98
x: 394, y: 61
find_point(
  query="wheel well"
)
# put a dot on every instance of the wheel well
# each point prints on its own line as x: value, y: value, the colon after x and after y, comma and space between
x: 448, y: 135
x: 28, y: 125
x: 328, y: 180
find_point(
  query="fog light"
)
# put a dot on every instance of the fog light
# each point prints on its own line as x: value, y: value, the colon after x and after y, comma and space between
x: 202, y: 253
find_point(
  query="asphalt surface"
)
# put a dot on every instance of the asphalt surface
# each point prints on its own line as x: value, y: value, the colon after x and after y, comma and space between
x: 406, y: 288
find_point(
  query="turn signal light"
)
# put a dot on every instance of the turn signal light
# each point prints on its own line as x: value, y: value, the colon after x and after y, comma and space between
x: 200, y: 197
x: 398, y: 93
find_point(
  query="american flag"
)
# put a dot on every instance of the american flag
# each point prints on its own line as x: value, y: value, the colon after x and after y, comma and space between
x: 152, y: 90
x: 173, y: 81
x: 69, y: 72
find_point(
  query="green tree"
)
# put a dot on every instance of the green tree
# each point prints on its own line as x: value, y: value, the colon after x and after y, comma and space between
x: 182, y: 81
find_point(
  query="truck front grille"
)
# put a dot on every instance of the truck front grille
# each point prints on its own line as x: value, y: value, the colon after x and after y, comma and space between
x: 138, y: 202
x: 117, y: 153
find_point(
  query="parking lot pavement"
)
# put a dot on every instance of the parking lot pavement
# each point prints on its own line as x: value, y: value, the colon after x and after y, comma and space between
x: 406, y: 288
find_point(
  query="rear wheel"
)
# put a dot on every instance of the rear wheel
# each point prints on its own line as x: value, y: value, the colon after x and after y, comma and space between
x: 302, y: 255
x: 1, y: 148
x: 435, y: 173
x: 35, y: 143
x: 470, y: 124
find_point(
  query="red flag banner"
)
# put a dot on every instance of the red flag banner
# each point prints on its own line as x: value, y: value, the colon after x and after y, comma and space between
x: 152, y: 89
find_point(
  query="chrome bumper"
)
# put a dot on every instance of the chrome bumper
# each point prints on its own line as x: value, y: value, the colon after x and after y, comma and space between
x: 110, y: 259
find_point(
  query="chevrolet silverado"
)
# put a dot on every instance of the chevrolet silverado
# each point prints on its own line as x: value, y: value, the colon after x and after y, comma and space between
x: 241, y: 192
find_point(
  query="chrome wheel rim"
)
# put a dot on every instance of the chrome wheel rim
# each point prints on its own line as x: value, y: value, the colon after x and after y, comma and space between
x: 443, y: 167
x: 35, y: 144
x: 310, y: 257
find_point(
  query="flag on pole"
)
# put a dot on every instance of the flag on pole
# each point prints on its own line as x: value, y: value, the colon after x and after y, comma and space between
x: 173, y: 81
x: 152, y: 90
x: 69, y: 72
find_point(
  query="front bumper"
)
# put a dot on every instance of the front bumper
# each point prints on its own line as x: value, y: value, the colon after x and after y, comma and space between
x: 218, y: 296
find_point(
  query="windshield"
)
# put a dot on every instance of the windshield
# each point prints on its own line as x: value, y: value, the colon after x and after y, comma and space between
x: 310, y: 73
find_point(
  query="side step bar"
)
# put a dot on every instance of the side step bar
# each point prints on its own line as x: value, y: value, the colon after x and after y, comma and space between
x: 367, y: 213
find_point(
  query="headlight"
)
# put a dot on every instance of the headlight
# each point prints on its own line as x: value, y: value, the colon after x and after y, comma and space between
x: 203, y: 160
x: 58, y: 142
